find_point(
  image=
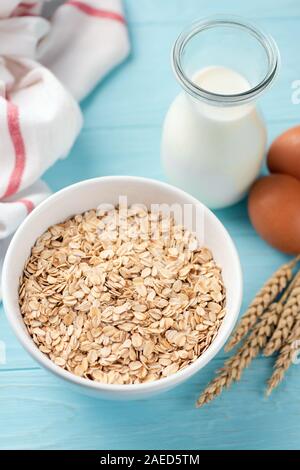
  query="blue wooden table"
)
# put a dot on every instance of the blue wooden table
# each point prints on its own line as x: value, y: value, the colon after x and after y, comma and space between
x: 121, y: 135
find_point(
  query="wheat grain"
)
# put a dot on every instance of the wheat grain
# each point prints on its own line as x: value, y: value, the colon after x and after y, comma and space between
x: 273, y: 287
x: 285, y: 358
x: 286, y: 321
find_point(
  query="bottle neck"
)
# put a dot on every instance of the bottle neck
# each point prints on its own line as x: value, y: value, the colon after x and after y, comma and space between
x: 234, y: 81
x: 221, y: 81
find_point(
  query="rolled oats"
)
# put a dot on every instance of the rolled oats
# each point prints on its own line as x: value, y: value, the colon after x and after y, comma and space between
x: 121, y: 306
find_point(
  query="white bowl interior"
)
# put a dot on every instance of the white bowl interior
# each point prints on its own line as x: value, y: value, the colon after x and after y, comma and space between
x: 88, y: 195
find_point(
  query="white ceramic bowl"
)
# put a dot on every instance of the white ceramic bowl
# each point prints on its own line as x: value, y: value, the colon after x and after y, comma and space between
x: 88, y: 195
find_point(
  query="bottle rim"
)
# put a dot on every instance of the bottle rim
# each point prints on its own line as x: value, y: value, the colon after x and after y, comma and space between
x: 265, y: 40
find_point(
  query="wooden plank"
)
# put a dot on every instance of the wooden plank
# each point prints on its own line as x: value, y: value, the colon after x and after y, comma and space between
x: 36, y: 411
x: 121, y: 135
x: 176, y: 11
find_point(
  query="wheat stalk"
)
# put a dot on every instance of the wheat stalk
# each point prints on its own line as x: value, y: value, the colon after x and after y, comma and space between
x: 285, y: 358
x: 234, y: 366
x: 267, y: 294
x: 286, y: 321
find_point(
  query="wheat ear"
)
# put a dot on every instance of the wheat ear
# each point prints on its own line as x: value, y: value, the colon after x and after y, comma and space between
x: 286, y: 321
x: 234, y: 366
x: 285, y: 358
x: 267, y: 294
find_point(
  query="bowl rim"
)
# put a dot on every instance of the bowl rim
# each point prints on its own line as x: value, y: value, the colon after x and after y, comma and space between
x: 29, y: 345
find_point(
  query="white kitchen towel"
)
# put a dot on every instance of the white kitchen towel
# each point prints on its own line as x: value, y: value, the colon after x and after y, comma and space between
x: 46, y: 67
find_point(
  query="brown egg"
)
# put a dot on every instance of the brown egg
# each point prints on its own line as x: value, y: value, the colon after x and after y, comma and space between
x: 274, y: 210
x: 284, y: 154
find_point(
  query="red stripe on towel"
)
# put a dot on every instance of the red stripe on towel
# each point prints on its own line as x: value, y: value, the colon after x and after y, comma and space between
x: 28, y: 204
x: 96, y: 12
x: 19, y: 148
x: 27, y: 5
x: 24, y: 9
x: 26, y: 14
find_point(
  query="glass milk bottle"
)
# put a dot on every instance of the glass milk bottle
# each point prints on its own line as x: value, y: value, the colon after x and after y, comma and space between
x: 214, y: 138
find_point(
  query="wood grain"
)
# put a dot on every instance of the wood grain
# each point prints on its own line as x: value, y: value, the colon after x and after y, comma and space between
x: 121, y: 135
